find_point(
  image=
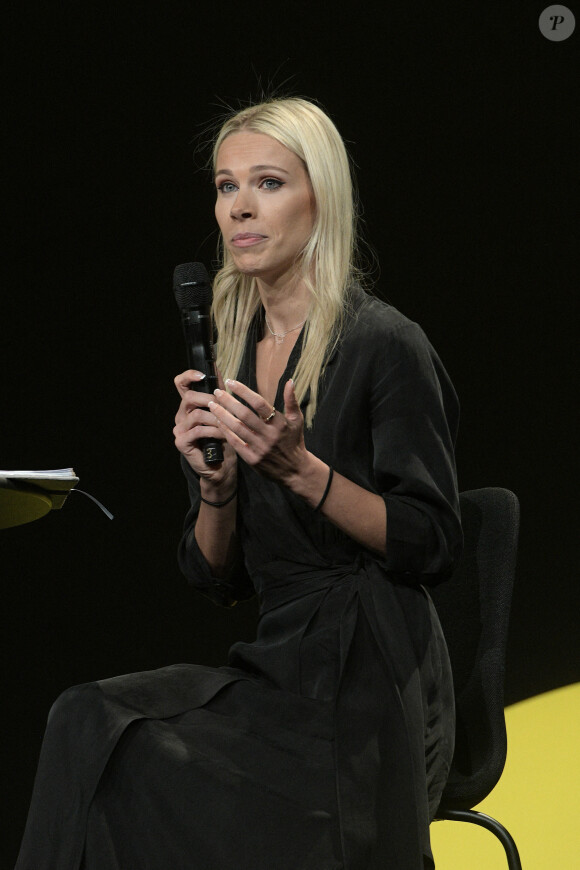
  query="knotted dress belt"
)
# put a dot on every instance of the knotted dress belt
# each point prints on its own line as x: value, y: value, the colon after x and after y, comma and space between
x: 277, y: 593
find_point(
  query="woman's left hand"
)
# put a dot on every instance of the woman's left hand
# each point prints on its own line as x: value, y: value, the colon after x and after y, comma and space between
x: 275, y: 446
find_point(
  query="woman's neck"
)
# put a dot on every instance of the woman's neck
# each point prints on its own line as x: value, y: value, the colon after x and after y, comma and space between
x: 286, y: 307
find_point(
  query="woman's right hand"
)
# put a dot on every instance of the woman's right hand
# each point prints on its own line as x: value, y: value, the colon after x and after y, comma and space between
x: 193, y: 422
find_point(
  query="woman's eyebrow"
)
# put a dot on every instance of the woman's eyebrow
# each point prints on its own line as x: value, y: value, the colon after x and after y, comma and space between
x: 259, y: 168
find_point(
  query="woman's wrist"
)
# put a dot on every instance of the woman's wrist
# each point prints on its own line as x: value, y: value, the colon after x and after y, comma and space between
x: 310, y: 480
x: 220, y: 504
x: 219, y: 489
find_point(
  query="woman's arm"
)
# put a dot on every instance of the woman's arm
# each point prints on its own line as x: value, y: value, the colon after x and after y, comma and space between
x: 215, y: 526
x: 357, y: 512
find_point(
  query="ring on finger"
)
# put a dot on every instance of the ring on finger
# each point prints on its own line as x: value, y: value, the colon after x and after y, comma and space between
x: 270, y: 415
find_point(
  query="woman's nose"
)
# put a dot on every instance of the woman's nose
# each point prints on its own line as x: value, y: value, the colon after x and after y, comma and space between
x: 242, y: 206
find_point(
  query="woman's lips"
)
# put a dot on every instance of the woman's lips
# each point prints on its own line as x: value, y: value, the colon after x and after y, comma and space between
x: 245, y: 240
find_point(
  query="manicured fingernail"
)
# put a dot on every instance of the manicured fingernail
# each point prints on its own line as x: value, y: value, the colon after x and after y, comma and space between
x: 217, y: 392
x: 200, y: 376
x: 209, y: 404
x: 229, y: 382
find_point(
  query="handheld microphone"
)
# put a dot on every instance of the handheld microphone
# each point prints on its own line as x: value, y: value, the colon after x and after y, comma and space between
x: 193, y: 295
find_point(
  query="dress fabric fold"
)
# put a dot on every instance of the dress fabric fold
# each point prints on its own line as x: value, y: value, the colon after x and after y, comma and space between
x: 325, y: 743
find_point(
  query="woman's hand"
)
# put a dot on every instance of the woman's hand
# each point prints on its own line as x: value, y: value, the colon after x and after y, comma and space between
x: 275, y: 446
x: 193, y: 422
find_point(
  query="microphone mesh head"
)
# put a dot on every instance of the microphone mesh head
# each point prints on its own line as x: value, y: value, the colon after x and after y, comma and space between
x: 191, y: 285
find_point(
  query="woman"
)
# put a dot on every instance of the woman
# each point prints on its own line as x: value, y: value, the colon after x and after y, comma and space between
x: 326, y: 742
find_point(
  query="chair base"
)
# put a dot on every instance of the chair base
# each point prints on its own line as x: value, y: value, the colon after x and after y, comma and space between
x: 503, y: 835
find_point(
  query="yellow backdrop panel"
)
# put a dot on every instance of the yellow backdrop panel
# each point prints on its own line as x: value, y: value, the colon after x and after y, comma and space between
x: 537, y: 798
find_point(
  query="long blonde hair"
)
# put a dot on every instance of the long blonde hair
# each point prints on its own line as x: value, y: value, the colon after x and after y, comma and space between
x: 327, y: 261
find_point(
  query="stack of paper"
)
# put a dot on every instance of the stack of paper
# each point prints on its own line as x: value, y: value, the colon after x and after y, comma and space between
x: 29, y: 495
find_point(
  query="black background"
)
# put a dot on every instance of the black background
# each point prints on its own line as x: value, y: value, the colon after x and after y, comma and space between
x: 462, y: 122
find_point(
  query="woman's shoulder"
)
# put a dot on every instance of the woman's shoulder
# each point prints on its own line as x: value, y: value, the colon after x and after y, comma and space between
x: 375, y: 321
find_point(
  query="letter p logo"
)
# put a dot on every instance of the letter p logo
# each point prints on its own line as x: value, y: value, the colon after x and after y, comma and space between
x: 557, y: 23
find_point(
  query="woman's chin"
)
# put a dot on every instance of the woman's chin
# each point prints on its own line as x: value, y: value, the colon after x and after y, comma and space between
x: 268, y: 273
x: 247, y: 264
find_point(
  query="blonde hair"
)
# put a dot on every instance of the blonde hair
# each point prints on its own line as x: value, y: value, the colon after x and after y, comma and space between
x: 327, y: 262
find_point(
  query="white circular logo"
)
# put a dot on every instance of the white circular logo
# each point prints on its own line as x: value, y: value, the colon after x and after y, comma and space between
x: 557, y: 23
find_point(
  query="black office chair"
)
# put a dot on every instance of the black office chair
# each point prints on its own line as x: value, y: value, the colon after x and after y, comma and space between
x: 473, y: 607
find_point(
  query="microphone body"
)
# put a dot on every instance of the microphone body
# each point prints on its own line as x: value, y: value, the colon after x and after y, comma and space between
x: 192, y: 290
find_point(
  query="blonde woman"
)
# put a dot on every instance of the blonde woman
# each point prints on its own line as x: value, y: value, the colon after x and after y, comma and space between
x: 325, y: 743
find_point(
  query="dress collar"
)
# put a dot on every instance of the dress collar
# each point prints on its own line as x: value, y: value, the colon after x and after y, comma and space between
x: 247, y: 374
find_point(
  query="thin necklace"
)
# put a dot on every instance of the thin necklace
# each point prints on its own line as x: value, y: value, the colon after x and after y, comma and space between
x: 280, y: 336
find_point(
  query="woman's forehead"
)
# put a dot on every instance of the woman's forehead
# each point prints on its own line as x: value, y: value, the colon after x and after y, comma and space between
x: 254, y: 149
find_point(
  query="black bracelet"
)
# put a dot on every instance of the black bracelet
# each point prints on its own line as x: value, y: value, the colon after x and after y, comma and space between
x: 219, y: 504
x: 329, y: 481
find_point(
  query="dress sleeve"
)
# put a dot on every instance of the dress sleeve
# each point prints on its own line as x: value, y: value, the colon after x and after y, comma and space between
x: 415, y: 414
x: 225, y: 591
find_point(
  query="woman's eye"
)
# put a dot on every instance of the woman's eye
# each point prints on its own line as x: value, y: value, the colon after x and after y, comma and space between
x: 272, y: 183
x: 226, y: 187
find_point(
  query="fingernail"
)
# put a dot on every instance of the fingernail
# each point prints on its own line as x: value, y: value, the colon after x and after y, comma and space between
x: 209, y: 404
x: 229, y: 382
x: 200, y: 376
x: 217, y: 392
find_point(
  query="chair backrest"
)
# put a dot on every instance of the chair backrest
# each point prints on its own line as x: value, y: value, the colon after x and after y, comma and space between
x: 473, y: 607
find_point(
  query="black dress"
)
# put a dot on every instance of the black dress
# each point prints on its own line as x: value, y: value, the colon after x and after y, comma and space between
x: 325, y: 743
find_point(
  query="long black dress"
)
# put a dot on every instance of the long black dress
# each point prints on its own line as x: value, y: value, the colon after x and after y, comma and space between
x: 325, y: 743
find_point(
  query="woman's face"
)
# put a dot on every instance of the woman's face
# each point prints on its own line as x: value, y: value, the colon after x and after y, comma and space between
x: 265, y: 205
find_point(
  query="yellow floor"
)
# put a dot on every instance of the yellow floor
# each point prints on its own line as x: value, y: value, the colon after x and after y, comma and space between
x: 537, y: 798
